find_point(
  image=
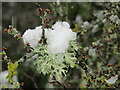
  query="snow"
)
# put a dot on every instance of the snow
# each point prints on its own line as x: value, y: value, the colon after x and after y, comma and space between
x: 59, y: 37
x: 32, y: 36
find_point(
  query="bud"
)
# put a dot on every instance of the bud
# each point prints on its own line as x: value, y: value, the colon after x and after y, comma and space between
x: 22, y: 83
x: 17, y: 36
x: 39, y: 9
x: 10, y: 27
x: 27, y: 44
x: 46, y: 20
x: 47, y: 10
x: 5, y: 30
x: 84, y: 57
x: 4, y: 48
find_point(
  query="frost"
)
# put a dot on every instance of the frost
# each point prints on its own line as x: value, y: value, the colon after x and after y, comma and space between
x: 58, y: 38
x: 112, y: 80
x: 32, y: 36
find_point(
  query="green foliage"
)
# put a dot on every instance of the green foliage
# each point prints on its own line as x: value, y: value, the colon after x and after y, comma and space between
x: 55, y: 64
x: 11, y: 71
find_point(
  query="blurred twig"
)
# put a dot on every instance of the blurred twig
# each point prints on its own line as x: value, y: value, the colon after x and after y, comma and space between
x: 31, y: 78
